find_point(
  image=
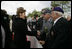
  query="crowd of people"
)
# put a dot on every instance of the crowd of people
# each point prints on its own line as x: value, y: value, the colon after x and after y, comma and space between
x: 52, y: 30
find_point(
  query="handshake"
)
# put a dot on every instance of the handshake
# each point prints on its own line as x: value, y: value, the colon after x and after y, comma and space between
x: 41, y: 41
x: 38, y: 33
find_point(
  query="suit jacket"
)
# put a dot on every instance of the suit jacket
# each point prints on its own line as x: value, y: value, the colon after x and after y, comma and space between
x: 1, y: 39
x: 59, y: 36
x: 5, y: 24
x: 40, y: 23
x: 40, y: 27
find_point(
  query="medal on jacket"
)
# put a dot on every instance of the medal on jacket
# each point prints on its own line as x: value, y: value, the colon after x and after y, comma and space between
x: 52, y: 33
x: 46, y: 30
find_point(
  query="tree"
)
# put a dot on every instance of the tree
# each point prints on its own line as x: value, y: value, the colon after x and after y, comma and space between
x: 34, y: 13
x: 47, y: 8
x: 54, y: 4
x: 65, y: 5
x: 30, y: 15
x: 59, y: 3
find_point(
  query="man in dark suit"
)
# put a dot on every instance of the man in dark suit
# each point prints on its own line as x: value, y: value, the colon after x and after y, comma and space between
x: 2, y: 37
x: 5, y: 26
x: 59, y: 36
x: 1, y: 40
x: 44, y: 25
x: 40, y: 24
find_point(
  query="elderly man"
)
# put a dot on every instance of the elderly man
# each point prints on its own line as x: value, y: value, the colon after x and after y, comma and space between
x: 40, y: 20
x: 59, y: 36
x: 46, y: 24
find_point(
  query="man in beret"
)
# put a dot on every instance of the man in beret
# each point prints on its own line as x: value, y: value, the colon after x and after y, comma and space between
x: 59, y: 36
x: 45, y: 25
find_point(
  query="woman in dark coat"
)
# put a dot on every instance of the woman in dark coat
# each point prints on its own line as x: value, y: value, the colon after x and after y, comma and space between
x: 20, y: 29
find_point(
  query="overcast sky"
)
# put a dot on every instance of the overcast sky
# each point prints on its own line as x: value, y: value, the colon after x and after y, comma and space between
x: 11, y: 6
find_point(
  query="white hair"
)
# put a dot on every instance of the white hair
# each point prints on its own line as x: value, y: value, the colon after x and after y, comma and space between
x: 59, y: 13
